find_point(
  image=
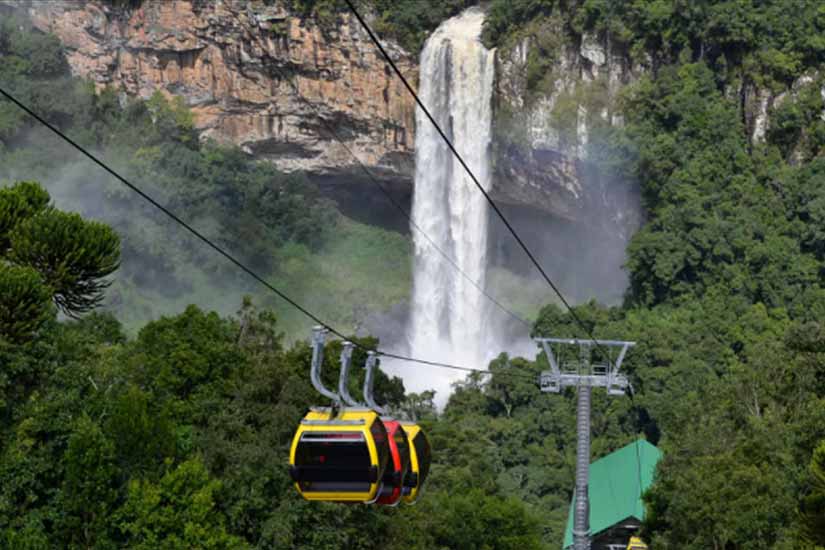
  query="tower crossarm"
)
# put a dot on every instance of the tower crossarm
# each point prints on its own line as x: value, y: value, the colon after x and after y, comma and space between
x: 573, y: 373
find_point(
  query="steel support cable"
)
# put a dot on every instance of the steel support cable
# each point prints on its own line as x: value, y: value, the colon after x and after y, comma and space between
x: 396, y: 204
x: 200, y: 236
x: 638, y: 456
x: 470, y: 173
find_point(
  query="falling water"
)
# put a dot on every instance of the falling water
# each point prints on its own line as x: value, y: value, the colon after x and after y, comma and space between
x: 449, y: 315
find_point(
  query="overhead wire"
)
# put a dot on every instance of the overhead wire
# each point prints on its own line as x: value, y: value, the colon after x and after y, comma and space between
x: 470, y: 173
x: 638, y: 456
x: 232, y: 259
x: 397, y: 205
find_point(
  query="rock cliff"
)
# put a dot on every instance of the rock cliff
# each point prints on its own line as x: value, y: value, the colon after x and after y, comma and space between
x: 543, y: 130
x: 544, y: 127
x: 253, y: 74
x: 278, y: 85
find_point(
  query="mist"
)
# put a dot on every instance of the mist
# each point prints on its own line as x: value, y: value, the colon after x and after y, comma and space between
x: 584, y: 257
x: 163, y: 267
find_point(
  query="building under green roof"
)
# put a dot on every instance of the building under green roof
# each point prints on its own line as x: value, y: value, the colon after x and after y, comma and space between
x: 616, y: 483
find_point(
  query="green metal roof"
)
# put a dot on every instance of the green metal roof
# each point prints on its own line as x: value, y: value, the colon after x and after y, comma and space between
x: 614, y: 490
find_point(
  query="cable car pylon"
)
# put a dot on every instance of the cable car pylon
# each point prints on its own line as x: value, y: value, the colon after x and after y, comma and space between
x: 584, y: 375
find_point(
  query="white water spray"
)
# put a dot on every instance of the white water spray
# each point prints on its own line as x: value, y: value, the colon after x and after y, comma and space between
x: 449, y: 316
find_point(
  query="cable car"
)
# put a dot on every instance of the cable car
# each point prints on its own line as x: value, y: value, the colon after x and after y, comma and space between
x: 417, y: 451
x: 398, y: 465
x: 338, y: 454
x: 352, y: 453
x: 420, y: 458
x: 339, y: 458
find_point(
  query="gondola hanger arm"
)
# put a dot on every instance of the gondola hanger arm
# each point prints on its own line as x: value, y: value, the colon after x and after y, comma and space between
x: 318, y: 338
x: 343, y: 378
x: 370, y: 365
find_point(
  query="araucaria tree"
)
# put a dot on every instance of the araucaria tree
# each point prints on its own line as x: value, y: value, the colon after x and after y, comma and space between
x: 49, y: 255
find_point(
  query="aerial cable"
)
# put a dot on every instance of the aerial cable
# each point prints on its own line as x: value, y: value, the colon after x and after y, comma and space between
x: 396, y: 204
x: 638, y: 457
x: 470, y: 173
x: 232, y: 258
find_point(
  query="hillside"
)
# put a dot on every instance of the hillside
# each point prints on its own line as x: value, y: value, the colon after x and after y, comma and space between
x: 121, y: 428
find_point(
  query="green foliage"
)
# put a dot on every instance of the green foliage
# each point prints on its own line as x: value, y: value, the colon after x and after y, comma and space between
x: 25, y: 303
x: 31, y: 537
x: 505, y: 17
x: 17, y: 203
x: 711, y: 202
x: 325, y: 12
x: 142, y: 431
x: 32, y: 53
x: 128, y: 4
x: 89, y: 488
x: 180, y: 437
x: 340, y: 280
x: 796, y: 126
x: 765, y: 41
x: 546, y: 46
x: 172, y: 120
x: 74, y: 256
x: 177, y: 512
x: 476, y: 520
x: 813, y: 505
x: 192, y: 354
x: 28, y: 58
x: 565, y: 117
x: 409, y: 23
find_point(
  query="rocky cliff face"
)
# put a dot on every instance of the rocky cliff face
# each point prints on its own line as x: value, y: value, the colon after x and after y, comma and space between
x: 254, y: 75
x: 277, y: 85
x: 543, y: 134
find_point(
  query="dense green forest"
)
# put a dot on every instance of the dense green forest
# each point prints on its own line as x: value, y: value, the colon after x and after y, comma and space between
x: 176, y: 435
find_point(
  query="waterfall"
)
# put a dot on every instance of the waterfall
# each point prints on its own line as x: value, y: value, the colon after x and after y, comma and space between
x: 449, y: 316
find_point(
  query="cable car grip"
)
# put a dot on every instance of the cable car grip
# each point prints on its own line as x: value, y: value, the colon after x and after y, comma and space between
x: 319, y: 334
x: 370, y: 365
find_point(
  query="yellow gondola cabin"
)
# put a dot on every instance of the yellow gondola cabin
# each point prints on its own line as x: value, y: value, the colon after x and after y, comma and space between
x: 419, y: 462
x: 339, y: 458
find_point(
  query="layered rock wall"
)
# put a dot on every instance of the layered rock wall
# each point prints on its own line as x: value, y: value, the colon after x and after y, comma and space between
x: 253, y: 74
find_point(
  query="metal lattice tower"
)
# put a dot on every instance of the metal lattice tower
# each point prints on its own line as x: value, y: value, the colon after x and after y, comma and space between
x: 584, y: 375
